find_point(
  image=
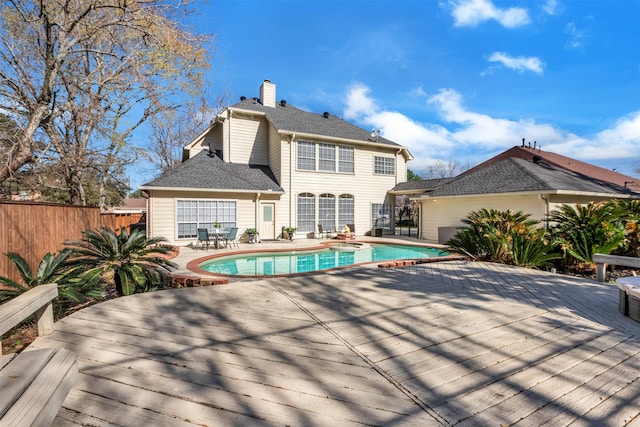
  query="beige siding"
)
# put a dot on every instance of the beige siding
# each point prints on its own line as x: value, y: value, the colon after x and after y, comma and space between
x: 250, y: 138
x: 363, y: 185
x: 449, y: 212
x: 163, y: 207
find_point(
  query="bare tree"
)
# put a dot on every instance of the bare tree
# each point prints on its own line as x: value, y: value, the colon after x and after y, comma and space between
x: 442, y: 169
x: 71, y: 71
x: 173, y: 129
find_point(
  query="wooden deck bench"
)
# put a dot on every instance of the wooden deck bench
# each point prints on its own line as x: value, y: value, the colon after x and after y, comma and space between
x: 602, y: 261
x: 34, y: 383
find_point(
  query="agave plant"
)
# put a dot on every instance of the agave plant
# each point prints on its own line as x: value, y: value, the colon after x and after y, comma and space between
x: 138, y: 264
x: 53, y: 268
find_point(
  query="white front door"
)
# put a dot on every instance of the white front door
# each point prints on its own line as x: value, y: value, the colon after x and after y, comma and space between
x: 268, y: 221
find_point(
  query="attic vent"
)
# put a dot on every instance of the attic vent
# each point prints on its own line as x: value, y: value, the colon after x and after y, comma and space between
x: 243, y: 98
x: 283, y: 103
x: 537, y: 159
x: 325, y: 114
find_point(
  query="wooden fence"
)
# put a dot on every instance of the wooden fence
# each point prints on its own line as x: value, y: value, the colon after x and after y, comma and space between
x: 33, y: 229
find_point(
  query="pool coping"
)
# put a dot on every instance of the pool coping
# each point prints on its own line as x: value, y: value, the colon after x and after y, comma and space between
x: 194, y: 265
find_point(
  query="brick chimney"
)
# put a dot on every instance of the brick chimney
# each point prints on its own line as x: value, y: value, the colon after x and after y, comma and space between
x: 268, y: 94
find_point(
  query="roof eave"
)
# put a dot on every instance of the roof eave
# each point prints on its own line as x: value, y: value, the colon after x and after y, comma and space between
x: 527, y: 193
x: 208, y: 190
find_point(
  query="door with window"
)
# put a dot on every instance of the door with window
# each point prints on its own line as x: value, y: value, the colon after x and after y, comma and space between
x: 267, y: 221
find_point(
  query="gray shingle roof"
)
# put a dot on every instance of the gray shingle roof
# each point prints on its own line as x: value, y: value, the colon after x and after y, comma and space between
x: 519, y: 175
x: 210, y: 172
x: 289, y: 118
x: 421, y: 185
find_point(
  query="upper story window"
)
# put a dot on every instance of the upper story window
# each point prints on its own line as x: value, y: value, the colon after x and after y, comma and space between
x: 327, y: 157
x: 345, y: 159
x: 306, y: 155
x: 384, y: 166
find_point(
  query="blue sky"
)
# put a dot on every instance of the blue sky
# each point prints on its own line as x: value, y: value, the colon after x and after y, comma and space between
x: 453, y: 80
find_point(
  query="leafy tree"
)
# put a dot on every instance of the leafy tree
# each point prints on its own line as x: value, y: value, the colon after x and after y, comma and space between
x: 412, y: 176
x: 137, y: 264
x: 52, y: 269
x: 587, y: 229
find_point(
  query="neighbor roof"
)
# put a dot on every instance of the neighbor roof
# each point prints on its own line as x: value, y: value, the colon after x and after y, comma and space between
x: 593, y: 171
x: 513, y: 175
x: 203, y: 171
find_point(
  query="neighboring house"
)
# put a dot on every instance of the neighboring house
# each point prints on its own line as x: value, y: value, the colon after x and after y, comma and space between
x: 268, y: 165
x: 533, y: 186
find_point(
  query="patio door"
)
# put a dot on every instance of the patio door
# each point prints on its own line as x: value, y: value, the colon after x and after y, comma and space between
x: 267, y: 221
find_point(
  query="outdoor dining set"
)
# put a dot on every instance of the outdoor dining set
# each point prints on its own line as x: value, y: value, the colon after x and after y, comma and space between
x: 219, y: 238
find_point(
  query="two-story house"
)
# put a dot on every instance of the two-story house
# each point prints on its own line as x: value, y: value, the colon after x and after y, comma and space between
x: 267, y: 165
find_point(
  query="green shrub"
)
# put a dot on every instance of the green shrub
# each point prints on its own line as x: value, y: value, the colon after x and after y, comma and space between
x: 584, y: 230
x: 53, y: 268
x: 502, y: 236
x: 138, y: 264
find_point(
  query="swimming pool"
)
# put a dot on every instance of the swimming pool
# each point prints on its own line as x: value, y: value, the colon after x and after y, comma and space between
x: 296, y: 262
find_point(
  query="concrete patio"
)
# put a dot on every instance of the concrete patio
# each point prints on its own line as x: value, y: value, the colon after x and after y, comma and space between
x: 448, y: 343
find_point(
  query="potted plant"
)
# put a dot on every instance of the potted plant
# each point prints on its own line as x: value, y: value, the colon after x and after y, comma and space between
x: 290, y: 231
x: 216, y: 225
x: 251, y: 232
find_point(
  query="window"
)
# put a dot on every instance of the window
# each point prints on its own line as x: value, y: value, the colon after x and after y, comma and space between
x: 345, y: 210
x: 306, y: 155
x: 327, y: 211
x: 194, y: 214
x: 384, y: 166
x: 345, y: 159
x: 306, y: 208
x: 327, y: 157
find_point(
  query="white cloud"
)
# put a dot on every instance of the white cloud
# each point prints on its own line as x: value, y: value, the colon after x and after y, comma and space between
x: 577, y: 37
x: 551, y: 7
x: 471, y: 13
x: 519, y: 63
x: 471, y: 137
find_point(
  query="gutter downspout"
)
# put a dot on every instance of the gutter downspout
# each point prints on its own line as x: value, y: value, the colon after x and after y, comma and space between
x: 546, y: 211
x: 293, y: 136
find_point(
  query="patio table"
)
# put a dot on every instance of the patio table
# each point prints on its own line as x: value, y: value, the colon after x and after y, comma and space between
x: 217, y: 235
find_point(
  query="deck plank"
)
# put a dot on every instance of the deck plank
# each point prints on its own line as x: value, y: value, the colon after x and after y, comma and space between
x: 425, y: 345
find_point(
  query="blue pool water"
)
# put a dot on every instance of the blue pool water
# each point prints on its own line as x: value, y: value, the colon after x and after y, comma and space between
x: 276, y: 263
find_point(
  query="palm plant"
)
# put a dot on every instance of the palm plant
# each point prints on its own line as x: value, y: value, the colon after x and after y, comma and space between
x: 138, y: 264
x: 587, y: 229
x: 502, y: 236
x: 628, y: 213
x: 53, y: 268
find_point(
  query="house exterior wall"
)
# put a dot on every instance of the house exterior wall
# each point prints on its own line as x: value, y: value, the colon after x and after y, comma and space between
x: 449, y: 212
x: 250, y: 140
x: 163, y: 209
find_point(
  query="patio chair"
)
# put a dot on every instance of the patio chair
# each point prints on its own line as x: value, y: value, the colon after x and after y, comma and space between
x: 231, y: 238
x: 321, y: 232
x: 203, y: 238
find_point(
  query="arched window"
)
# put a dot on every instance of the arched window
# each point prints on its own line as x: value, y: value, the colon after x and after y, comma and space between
x: 327, y: 211
x: 346, y: 210
x: 306, y: 209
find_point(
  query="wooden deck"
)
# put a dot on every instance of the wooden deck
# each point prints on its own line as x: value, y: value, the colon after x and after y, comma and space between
x: 439, y: 344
